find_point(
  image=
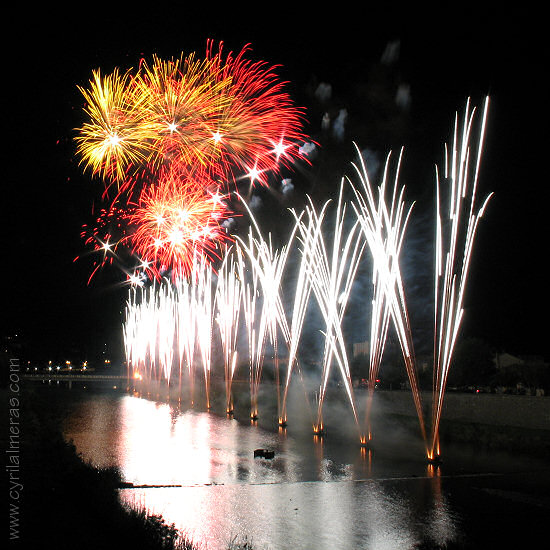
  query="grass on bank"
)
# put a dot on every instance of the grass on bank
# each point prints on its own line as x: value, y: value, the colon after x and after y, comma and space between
x: 67, y: 503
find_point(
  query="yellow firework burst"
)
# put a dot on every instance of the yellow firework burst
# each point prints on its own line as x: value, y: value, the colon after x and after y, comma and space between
x: 116, y: 135
x: 181, y: 99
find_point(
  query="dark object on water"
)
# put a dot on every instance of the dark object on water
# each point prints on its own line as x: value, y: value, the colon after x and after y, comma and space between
x: 264, y: 453
x: 436, y: 460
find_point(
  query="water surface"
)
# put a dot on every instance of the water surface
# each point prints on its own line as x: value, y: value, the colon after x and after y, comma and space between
x: 197, y: 469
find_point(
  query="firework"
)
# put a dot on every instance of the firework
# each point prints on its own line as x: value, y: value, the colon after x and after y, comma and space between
x: 141, y: 331
x: 222, y: 113
x: 331, y: 278
x: 250, y: 303
x: 268, y: 267
x: 384, y: 229
x: 175, y: 220
x: 204, y: 319
x: 105, y: 236
x: 116, y: 137
x: 455, y: 236
x: 173, y: 134
x: 259, y: 128
x: 181, y: 100
x: 228, y: 307
x: 186, y: 329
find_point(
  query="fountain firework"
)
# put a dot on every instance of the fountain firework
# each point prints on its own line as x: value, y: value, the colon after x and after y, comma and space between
x: 384, y: 228
x: 228, y: 307
x: 250, y: 285
x: 330, y: 276
x: 268, y: 266
x: 454, y: 244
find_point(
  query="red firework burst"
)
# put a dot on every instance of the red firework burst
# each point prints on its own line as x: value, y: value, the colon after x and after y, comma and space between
x: 176, y: 220
x: 105, y: 235
x: 183, y: 124
x: 258, y: 127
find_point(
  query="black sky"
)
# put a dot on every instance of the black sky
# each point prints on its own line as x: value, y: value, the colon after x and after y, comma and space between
x: 444, y: 59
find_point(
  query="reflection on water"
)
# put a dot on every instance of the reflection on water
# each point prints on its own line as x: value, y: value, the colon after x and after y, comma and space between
x: 354, y: 514
x: 316, y: 492
x: 154, y: 443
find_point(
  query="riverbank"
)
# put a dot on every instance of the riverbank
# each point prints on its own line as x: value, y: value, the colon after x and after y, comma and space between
x: 63, y: 502
x: 515, y: 423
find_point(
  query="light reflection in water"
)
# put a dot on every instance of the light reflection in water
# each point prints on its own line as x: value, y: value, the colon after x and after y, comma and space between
x: 152, y: 445
x: 312, y: 515
x: 312, y: 495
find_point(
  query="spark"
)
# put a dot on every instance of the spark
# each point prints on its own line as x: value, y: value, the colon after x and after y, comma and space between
x: 280, y: 149
x: 383, y: 224
x: 206, y: 118
x: 174, y: 220
x: 455, y: 236
x: 253, y: 174
x: 331, y: 276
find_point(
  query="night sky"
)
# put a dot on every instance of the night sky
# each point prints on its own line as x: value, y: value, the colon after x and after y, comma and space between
x: 46, y: 198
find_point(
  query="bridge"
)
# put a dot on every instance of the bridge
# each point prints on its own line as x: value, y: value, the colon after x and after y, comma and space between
x: 75, y: 377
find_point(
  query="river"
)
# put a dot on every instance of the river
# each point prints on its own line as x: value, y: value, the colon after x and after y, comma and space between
x: 197, y: 469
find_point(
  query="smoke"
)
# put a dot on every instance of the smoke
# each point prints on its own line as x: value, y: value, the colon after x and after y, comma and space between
x: 403, y: 96
x: 372, y: 163
x: 391, y: 53
x: 417, y: 265
x: 338, y: 126
x: 325, y: 122
x: 323, y: 92
x: 228, y: 224
x: 287, y: 186
x: 307, y: 149
x: 255, y: 202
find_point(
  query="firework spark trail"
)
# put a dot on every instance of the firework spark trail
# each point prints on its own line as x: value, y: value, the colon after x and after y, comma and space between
x: 140, y: 330
x: 185, y: 313
x: 256, y: 320
x: 130, y: 329
x: 174, y: 220
x: 250, y: 295
x: 228, y: 307
x: 204, y: 319
x: 105, y: 236
x: 272, y: 266
x: 331, y: 280
x: 269, y: 266
x: 258, y: 127
x: 302, y: 295
x: 263, y: 317
x: 207, y: 119
x: 384, y: 229
x: 453, y: 255
x: 116, y: 136
x: 165, y: 322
